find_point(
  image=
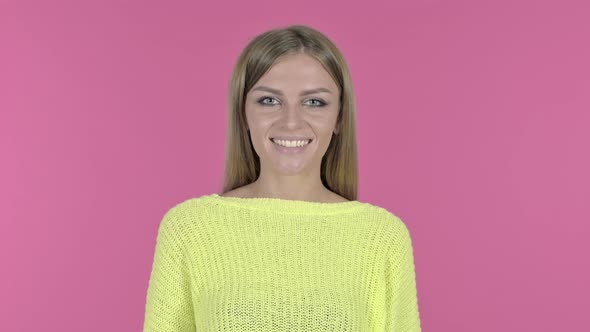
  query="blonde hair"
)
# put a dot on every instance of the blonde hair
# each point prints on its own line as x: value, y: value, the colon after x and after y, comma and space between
x: 339, y: 165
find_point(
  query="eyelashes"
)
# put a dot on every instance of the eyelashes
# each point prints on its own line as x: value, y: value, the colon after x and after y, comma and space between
x: 261, y: 102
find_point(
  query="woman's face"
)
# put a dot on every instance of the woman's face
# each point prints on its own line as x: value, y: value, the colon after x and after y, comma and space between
x: 280, y: 105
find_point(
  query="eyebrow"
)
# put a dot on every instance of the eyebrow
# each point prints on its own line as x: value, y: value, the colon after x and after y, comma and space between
x: 303, y: 93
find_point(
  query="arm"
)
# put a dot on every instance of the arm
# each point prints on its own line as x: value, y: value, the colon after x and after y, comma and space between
x: 168, y: 302
x: 402, y: 299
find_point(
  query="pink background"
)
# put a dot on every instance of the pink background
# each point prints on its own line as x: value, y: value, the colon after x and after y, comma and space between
x: 473, y: 127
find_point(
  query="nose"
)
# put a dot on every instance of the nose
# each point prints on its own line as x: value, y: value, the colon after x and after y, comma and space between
x: 292, y: 115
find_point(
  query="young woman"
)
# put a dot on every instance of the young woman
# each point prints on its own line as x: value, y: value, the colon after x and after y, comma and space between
x: 286, y: 246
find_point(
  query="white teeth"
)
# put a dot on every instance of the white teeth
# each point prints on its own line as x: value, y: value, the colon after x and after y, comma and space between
x: 291, y: 144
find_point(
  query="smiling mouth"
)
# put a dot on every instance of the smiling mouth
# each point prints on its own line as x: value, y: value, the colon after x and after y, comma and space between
x: 284, y: 146
x: 310, y: 140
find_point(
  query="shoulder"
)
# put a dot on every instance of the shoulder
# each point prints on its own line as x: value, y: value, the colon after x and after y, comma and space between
x: 390, y: 223
x: 185, y: 213
x: 336, y: 198
x: 244, y: 191
x: 397, y: 240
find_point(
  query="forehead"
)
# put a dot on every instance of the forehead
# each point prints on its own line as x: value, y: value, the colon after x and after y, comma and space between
x: 298, y: 71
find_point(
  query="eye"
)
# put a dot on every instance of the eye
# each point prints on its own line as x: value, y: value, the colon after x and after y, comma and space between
x: 261, y: 100
x: 321, y: 103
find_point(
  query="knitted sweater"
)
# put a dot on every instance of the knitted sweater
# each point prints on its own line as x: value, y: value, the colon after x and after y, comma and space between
x: 269, y: 264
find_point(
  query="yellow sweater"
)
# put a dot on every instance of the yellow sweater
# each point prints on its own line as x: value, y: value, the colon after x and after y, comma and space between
x: 268, y: 264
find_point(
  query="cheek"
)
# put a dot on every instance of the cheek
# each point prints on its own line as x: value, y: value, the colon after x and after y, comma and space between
x: 259, y: 128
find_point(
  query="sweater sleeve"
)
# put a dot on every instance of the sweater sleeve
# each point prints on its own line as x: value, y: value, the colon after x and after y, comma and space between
x: 402, y: 299
x: 168, y: 305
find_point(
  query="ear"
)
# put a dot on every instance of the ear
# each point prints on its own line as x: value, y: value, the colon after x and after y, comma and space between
x: 337, y: 129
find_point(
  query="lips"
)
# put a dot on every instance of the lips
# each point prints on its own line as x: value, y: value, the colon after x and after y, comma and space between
x: 290, y: 150
x: 287, y: 138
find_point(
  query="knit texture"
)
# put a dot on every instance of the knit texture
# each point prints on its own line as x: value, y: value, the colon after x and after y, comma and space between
x: 268, y: 264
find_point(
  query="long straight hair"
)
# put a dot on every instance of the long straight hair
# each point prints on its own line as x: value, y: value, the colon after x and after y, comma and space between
x: 339, y: 165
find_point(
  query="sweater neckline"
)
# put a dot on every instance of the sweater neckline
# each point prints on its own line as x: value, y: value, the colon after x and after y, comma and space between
x: 287, y: 205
